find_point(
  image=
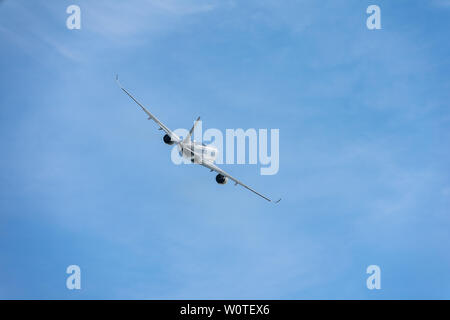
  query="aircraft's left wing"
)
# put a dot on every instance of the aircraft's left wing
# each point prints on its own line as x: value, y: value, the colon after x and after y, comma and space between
x: 150, y: 115
x: 215, y: 168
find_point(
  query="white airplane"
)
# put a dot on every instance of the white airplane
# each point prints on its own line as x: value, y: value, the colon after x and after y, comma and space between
x: 195, y: 152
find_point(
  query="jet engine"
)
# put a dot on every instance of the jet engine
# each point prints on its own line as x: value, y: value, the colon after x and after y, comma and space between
x: 221, y: 179
x: 168, y: 140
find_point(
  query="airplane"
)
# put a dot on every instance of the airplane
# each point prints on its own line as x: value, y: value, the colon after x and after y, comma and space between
x: 197, y: 153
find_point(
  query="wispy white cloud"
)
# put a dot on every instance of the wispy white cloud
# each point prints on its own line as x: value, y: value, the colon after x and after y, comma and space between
x: 118, y: 22
x: 442, y: 3
x: 129, y: 19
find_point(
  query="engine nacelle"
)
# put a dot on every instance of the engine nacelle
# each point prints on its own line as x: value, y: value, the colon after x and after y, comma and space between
x: 221, y: 179
x: 168, y: 140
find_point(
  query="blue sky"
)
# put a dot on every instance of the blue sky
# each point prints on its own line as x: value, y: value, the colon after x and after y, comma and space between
x: 364, y: 149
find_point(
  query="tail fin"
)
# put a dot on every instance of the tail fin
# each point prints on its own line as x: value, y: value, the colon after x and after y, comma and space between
x: 188, y: 137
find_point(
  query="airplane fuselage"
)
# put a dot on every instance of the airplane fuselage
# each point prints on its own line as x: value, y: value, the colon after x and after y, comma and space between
x: 197, y: 152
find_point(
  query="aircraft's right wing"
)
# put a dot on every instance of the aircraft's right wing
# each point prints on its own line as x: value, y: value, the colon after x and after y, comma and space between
x: 215, y: 168
x: 172, y: 135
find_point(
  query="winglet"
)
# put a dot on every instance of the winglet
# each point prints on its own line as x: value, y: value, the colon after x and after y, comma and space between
x: 118, y: 82
x: 277, y: 201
